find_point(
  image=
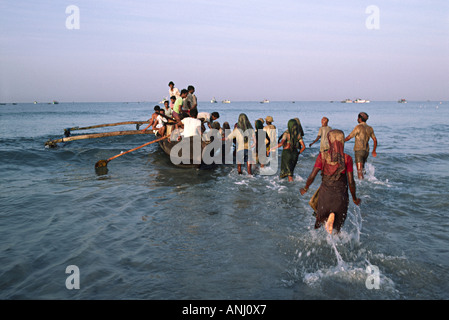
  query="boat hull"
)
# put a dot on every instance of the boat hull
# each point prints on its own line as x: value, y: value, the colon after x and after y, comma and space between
x: 187, y: 162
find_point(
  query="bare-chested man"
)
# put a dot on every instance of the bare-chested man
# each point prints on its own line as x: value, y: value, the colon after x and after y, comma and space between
x: 322, y: 134
x: 362, y: 133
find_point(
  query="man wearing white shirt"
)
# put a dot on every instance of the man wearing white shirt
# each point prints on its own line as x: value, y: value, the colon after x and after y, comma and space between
x: 190, y: 143
x: 191, y: 125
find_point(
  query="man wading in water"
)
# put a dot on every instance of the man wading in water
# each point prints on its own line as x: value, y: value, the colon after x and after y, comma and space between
x: 362, y: 133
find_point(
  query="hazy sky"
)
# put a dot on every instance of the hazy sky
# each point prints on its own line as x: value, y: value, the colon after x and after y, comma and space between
x: 234, y: 49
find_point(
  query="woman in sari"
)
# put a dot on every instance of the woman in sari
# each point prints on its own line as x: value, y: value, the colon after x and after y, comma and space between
x: 262, y: 138
x: 337, y: 173
x: 291, y: 141
x: 245, y: 141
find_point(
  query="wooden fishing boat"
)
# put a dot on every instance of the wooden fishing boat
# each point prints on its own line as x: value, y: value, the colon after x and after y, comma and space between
x: 191, y: 159
x: 186, y: 161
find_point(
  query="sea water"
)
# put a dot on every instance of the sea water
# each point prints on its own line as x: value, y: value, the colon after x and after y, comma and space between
x: 149, y: 230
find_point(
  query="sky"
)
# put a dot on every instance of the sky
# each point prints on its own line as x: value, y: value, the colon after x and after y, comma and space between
x: 242, y: 50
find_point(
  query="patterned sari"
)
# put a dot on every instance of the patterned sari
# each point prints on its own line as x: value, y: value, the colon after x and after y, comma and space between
x: 333, y: 194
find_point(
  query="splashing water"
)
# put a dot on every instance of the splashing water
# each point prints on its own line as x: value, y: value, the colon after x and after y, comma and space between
x: 340, y: 263
x: 355, y: 219
x: 346, y: 271
x: 369, y: 176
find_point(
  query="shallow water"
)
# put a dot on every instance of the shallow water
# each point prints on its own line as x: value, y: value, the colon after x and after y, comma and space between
x: 149, y: 230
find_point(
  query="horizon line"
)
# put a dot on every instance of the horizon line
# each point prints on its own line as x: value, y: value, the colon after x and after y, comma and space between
x: 218, y: 102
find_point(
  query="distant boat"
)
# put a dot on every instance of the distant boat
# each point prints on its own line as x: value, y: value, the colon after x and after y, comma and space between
x: 402, y: 101
x: 226, y: 101
x: 35, y: 102
x: 265, y: 101
x: 213, y: 100
x: 361, y: 101
x: 163, y: 100
x: 347, y: 101
x: 55, y: 102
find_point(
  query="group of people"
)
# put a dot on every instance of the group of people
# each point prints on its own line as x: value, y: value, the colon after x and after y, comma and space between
x: 330, y: 202
x: 181, y: 112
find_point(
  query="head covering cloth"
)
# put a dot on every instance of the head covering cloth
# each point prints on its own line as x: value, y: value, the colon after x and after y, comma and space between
x: 244, y: 124
x: 334, y: 158
x: 293, y: 132
x: 301, y: 131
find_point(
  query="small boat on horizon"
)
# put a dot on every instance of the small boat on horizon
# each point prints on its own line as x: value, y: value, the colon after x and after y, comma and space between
x: 213, y: 100
x: 347, y: 101
x: 402, y: 101
x: 361, y: 101
x: 226, y: 101
x: 265, y: 101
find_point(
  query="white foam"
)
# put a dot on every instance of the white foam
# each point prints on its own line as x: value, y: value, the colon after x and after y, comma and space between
x: 370, y: 177
x: 274, y: 184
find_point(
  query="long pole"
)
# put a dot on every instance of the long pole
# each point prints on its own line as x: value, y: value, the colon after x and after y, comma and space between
x: 52, y: 143
x: 104, y: 163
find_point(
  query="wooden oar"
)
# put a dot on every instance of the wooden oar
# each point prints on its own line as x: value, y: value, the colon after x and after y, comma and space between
x: 107, y: 125
x: 104, y: 163
x: 52, y: 143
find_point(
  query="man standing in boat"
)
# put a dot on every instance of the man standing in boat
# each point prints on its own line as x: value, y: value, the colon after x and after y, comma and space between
x: 362, y: 133
x: 172, y: 92
x: 178, y: 102
x: 190, y: 102
x: 168, y: 111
